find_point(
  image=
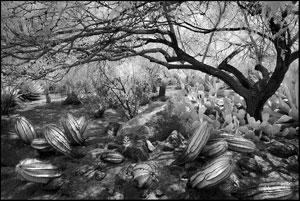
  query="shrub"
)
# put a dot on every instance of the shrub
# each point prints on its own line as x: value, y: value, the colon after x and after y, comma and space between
x: 9, y: 99
x: 31, y: 91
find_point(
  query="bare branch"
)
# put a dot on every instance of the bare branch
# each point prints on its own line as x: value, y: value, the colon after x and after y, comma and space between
x: 227, y: 29
x: 294, y: 39
x: 229, y: 68
x: 263, y: 70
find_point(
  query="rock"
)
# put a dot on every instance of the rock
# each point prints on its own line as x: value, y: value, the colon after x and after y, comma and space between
x: 276, y: 176
x: 265, y: 165
x: 72, y: 99
x: 150, y: 146
x: 159, y: 193
x: 282, y: 150
x: 167, y: 146
x: 156, y: 122
x: 292, y: 164
x: 252, y: 174
x: 249, y: 164
x: 175, y: 138
x: 135, y: 150
x: 116, y: 196
x: 151, y: 196
x: 275, y: 161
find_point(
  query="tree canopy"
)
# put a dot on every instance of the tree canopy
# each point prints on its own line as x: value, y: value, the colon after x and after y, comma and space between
x: 219, y: 38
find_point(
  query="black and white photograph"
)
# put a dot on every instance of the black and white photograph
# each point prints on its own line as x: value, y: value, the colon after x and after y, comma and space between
x: 149, y: 100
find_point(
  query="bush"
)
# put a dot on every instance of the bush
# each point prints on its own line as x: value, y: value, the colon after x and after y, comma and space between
x: 120, y: 87
x: 9, y: 100
x: 31, y: 91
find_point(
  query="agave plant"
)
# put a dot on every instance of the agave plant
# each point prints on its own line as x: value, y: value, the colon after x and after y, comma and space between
x: 9, y: 99
x: 31, y: 91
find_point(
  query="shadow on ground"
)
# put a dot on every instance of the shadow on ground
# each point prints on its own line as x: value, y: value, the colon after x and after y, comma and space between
x: 40, y: 113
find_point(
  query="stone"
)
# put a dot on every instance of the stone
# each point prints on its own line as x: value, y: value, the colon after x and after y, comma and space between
x: 293, y: 165
x: 167, y: 146
x: 252, y: 174
x: 159, y: 193
x: 282, y: 150
x: 275, y: 161
x: 156, y: 122
x: 72, y: 99
x: 175, y: 138
x: 116, y: 196
x: 135, y: 150
x: 276, y: 176
x: 265, y: 165
x: 150, y: 146
x: 151, y: 196
x: 250, y: 164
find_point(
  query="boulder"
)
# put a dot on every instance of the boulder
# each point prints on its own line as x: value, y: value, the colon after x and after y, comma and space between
x: 283, y: 149
x: 72, y: 99
x: 156, y: 122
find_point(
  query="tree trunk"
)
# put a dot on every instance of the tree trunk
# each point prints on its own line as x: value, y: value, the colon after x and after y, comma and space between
x: 162, y: 89
x: 48, y: 99
x: 255, y: 104
x: 154, y: 90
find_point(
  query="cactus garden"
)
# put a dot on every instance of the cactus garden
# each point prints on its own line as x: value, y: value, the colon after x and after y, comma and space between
x: 150, y: 100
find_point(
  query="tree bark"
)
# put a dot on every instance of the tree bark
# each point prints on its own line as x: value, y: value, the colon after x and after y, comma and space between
x: 255, y: 104
x: 162, y: 88
x: 48, y: 99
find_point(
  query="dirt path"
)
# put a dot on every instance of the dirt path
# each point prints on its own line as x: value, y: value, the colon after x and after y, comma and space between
x: 41, y: 113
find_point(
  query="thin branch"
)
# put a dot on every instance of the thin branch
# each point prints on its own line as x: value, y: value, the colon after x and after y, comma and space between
x: 199, y: 66
x: 263, y: 70
x: 206, y: 31
x: 294, y: 39
x: 259, y: 56
x: 229, y: 68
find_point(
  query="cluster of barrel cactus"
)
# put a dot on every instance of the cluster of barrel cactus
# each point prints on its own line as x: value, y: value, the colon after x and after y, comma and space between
x: 51, y: 138
x: 216, y: 148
